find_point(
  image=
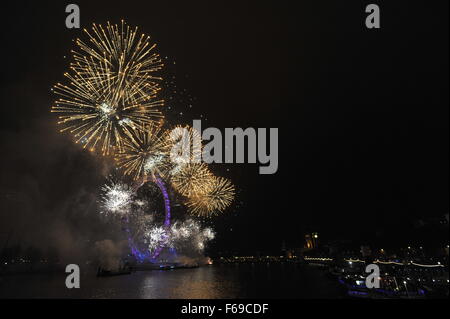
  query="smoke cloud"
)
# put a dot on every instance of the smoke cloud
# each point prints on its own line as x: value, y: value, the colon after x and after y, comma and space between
x: 49, y: 196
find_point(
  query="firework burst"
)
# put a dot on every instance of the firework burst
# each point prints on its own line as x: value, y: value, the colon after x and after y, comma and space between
x: 116, y: 198
x: 189, y: 234
x: 155, y: 237
x: 193, y: 179
x: 112, y: 88
x: 146, y: 152
x: 217, y: 198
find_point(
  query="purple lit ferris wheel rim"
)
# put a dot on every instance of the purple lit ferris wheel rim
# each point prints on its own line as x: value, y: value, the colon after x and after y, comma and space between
x: 167, y: 218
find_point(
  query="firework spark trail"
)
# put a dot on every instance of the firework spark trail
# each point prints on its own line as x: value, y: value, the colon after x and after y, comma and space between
x: 111, y: 88
x: 145, y: 153
x: 193, y: 179
x: 215, y: 200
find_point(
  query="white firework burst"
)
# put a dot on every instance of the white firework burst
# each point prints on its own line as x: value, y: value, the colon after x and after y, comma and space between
x: 155, y: 237
x: 116, y: 198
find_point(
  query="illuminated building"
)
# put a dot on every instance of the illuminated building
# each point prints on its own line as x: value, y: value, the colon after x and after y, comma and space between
x: 312, y: 241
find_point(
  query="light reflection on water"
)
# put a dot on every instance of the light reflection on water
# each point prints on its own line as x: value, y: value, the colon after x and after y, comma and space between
x: 202, y: 283
x: 209, y: 282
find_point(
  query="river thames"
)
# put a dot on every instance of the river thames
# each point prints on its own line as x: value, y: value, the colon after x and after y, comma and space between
x: 221, y: 281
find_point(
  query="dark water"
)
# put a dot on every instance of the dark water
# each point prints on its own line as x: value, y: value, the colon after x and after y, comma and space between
x: 209, y: 282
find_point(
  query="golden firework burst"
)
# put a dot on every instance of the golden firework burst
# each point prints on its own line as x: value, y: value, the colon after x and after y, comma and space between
x: 112, y: 88
x: 193, y: 178
x: 218, y: 197
x: 146, y: 152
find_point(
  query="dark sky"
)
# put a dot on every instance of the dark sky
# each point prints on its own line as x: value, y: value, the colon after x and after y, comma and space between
x: 362, y: 114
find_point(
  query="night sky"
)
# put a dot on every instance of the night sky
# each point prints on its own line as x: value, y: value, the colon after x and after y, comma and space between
x: 362, y: 115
